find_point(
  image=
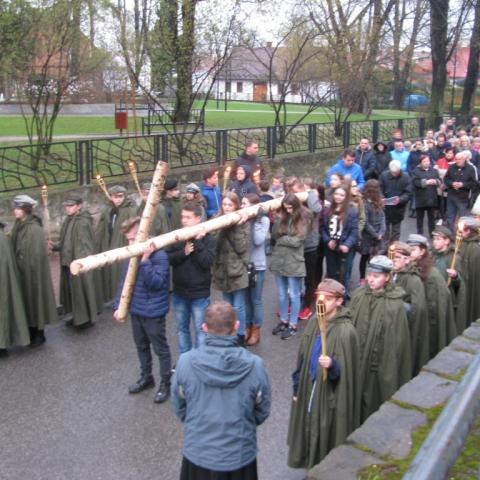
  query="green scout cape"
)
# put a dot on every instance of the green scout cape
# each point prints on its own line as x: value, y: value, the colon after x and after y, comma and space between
x: 385, y: 359
x: 31, y: 254
x: 410, y: 281
x: 458, y: 290
x: 440, y: 312
x: 470, y: 267
x: 13, y: 321
x: 173, y: 211
x: 108, y: 237
x: 160, y: 221
x: 77, y: 293
x: 334, y: 408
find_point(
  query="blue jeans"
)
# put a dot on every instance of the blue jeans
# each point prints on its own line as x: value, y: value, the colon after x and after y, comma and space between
x: 237, y: 300
x: 184, y: 309
x: 254, y: 304
x: 456, y: 208
x: 289, y: 287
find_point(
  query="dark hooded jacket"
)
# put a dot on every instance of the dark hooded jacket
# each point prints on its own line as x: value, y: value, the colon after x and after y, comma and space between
x: 221, y: 393
x: 382, y: 159
x: 242, y: 187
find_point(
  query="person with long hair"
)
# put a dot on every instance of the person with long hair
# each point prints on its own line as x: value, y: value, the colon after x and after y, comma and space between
x: 339, y: 233
x: 259, y: 228
x: 288, y: 263
x: 230, y: 272
x: 375, y: 227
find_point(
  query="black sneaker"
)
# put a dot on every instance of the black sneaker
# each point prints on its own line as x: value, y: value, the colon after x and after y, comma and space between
x: 288, y: 332
x: 281, y: 326
x: 141, y: 384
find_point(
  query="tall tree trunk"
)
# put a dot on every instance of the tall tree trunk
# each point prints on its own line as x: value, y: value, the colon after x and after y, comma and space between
x: 469, y: 91
x: 438, y: 36
x: 185, y: 48
x: 76, y: 38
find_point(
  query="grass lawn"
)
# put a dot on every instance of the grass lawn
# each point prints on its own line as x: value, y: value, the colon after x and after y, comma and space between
x: 239, y: 115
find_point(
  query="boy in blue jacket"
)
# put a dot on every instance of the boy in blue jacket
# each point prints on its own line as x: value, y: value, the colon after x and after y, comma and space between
x: 221, y: 393
x: 148, y: 309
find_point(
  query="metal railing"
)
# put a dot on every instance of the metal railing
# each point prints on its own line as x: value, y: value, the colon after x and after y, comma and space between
x: 77, y: 162
x: 445, y: 441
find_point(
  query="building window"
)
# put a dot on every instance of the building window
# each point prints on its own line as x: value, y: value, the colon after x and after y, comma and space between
x: 240, y: 87
x: 228, y: 87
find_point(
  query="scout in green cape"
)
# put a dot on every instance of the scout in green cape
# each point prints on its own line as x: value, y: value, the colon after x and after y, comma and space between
x: 407, y: 277
x: 173, y: 204
x: 380, y: 317
x: 442, y: 253
x: 13, y: 321
x: 77, y: 293
x: 441, y: 317
x: 324, y: 412
x: 470, y: 266
x: 31, y: 255
x: 160, y: 222
x: 109, y: 236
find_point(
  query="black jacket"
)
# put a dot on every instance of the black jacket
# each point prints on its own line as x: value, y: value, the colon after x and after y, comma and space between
x: 192, y: 273
x: 466, y: 174
x: 425, y: 195
x: 399, y: 186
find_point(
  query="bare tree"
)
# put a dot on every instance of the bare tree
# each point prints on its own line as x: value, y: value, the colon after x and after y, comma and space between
x: 406, y: 25
x: 444, y: 39
x: 471, y: 80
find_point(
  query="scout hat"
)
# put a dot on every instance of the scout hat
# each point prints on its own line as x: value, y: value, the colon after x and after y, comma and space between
x: 380, y: 264
x: 117, y: 189
x: 192, y: 188
x: 72, y: 199
x: 470, y: 222
x: 417, y: 240
x: 328, y: 285
x: 21, y: 201
x: 401, y: 247
x: 171, y: 184
x: 442, y: 231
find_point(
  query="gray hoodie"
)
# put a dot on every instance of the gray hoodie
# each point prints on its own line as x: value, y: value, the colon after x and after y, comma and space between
x: 221, y: 392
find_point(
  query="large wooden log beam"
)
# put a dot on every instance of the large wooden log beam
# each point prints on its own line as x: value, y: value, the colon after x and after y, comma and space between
x: 92, y: 262
x: 151, y: 207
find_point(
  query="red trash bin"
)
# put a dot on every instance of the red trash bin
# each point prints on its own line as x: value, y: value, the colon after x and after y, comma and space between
x: 121, y: 120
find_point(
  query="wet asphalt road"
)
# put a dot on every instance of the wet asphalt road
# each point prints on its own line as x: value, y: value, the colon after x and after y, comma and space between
x: 66, y: 413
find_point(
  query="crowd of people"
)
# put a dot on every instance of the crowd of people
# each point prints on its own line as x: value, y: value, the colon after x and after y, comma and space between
x: 412, y: 299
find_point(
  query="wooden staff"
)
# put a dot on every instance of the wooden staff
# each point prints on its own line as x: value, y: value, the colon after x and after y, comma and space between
x: 148, y: 215
x: 226, y: 177
x: 91, y: 262
x: 322, y: 326
x: 101, y: 184
x: 132, y: 167
x: 458, y: 243
x: 46, y: 212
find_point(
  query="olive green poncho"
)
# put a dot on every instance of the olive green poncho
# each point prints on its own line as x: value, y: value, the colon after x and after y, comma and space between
x: 470, y: 267
x: 385, y: 359
x: 458, y: 291
x: 335, y: 407
x: 108, y: 236
x: 440, y: 312
x: 31, y: 255
x: 410, y: 281
x: 77, y: 293
x: 13, y: 321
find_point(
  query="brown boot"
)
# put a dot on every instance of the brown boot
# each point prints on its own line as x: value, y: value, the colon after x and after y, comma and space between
x: 248, y: 332
x: 254, y: 337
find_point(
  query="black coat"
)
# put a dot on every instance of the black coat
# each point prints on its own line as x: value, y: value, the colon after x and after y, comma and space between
x: 382, y: 159
x: 467, y: 175
x: 192, y: 273
x: 399, y: 186
x: 425, y: 195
